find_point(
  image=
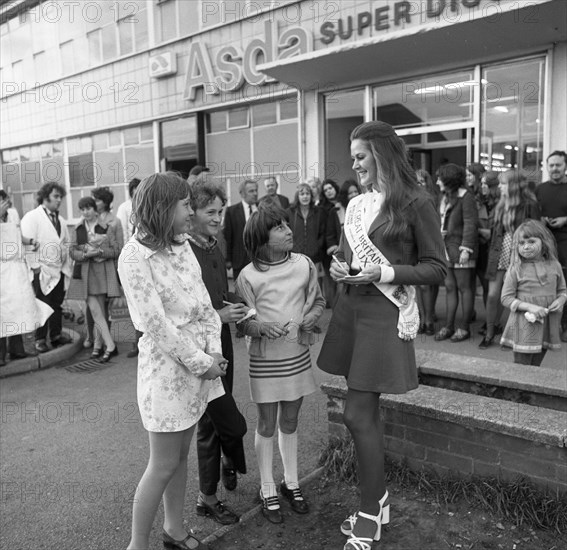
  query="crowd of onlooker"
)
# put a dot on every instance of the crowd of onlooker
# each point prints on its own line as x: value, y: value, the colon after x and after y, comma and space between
x: 479, y: 212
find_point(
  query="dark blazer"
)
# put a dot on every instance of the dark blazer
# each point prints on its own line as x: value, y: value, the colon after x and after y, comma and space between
x: 233, y: 229
x: 529, y: 210
x: 461, y: 227
x: 418, y: 257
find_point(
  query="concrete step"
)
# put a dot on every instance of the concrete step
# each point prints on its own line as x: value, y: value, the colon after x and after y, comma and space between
x: 509, y: 381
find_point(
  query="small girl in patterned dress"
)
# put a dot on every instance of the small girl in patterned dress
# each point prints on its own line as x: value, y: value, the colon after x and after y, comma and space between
x: 534, y: 290
x: 282, y: 287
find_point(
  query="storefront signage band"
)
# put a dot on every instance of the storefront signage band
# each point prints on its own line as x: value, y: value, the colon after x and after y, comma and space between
x: 233, y: 67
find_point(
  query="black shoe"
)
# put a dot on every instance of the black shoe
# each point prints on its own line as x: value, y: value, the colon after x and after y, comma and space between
x: 295, y: 498
x: 482, y: 330
x: 21, y: 355
x: 41, y: 347
x: 218, y: 511
x: 133, y: 352
x: 429, y: 329
x: 96, y: 353
x: 169, y: 542
x: 487, y: 341
x: 108, y: 354
x: 229, y: 479
x: 61, y: 340
x: 271, y: 508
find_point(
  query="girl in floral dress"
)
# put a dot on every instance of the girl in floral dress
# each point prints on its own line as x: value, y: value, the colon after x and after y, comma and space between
x: 282, y: 287
x: 180, y: 358
x: 534, y: 291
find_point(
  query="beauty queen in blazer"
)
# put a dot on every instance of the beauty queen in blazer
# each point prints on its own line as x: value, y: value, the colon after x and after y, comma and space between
x: 369, y: 336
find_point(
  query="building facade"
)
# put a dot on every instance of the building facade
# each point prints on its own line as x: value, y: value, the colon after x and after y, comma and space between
x: 96, y: 93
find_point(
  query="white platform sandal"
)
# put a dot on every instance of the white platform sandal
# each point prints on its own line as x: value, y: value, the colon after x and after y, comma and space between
x: 364, y: 543
x: 348, y: 524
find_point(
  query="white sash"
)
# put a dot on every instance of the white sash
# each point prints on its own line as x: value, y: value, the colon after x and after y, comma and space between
x: 402, y: 296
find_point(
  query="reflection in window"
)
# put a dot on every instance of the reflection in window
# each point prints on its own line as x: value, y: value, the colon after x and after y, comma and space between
x: 425, y: 101
x: 126, y: 36
x: 68, y: 56
x: 343, y: 111
x: 109, y: 46
x: 512, y: 116
x: 264, y: 113
x: 95, y: 56
x: 216, y: 122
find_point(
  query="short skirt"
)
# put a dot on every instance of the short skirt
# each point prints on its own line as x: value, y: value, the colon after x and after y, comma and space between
x: 362, y: 344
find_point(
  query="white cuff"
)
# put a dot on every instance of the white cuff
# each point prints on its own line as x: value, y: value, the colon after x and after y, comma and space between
x: 388, y: 274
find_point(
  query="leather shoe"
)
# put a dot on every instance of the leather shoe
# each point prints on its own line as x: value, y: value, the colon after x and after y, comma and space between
x: 429, y: 329
x: 295, y: 498
x: 218, y: 511
x: 108, y: 355
x: 271, y: 508
x: 41, y: 347
x: 229, y: 479
x: 61, y: 341
x: 486, y: 342
x: 170, y: 542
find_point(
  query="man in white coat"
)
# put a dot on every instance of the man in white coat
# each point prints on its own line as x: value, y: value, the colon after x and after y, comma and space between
x: 51, y: 263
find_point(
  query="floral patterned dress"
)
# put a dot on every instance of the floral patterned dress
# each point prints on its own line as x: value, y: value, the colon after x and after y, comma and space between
x: 169, y: 303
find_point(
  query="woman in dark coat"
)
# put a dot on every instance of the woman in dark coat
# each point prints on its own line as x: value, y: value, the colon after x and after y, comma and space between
x: 459, y: 226
x: 308, y: 223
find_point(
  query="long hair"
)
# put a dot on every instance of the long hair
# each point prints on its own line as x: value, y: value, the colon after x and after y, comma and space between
x: 324, y: 202
x: 301, y: 186
x: 429, y: 185
x: 533, y: 228
x: 343, y: 193
x: 153, y: 208
x: 257, y: 231
x: 511, y: 204
x: 397, y: 177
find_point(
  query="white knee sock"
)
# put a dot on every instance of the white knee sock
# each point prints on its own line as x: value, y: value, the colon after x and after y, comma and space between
x: 288, y: 450
x: 265, y: 455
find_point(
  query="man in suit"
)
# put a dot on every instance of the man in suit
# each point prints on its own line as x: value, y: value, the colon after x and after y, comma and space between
x: 271, y: 185
x: 234, y: 221
x: 51, y: 263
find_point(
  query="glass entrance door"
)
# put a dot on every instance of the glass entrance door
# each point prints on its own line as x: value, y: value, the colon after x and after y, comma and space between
x: 432, y: 147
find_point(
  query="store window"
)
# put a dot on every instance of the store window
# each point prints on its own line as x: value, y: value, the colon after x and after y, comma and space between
x: 179, y: 142
x: 176, y: 18
x: 512, y: 116
x: 423, y: 101
x: 343, y: 112
x: 254, y: 142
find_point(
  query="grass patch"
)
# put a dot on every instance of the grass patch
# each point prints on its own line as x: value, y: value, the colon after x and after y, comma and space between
x: 520, y: 501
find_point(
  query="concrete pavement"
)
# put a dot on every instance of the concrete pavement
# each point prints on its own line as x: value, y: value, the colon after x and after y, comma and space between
x: 72, y: 450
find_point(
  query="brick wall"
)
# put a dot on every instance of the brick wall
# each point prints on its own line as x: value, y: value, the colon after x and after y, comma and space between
x: 437, y: 443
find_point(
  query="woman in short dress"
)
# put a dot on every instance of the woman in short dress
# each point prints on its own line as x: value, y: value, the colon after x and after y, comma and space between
x: 390, y: 240
x: 180, y: 359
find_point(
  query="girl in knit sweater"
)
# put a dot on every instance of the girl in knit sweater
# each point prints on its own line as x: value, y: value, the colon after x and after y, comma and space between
x: 282, y: 287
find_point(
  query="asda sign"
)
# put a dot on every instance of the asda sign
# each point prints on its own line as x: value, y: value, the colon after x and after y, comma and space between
x: 232, y: 66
